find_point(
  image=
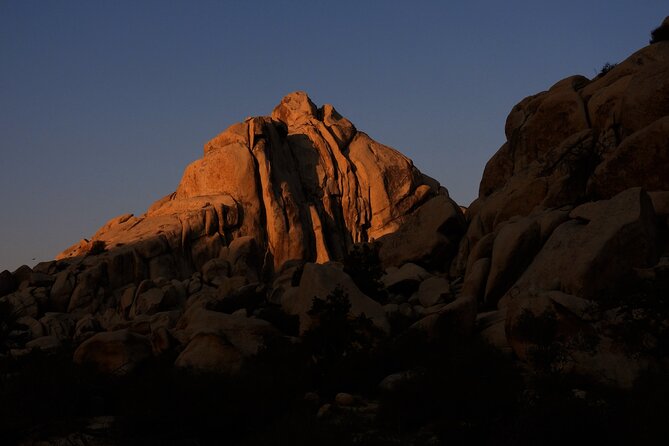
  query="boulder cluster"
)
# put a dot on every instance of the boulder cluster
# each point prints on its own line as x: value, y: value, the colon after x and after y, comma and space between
x: 570, y: 226
x: 563, y: 251
x: 259, y: 226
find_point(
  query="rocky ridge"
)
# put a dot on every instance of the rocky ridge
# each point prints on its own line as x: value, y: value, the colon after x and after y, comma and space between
x: 571, y: 219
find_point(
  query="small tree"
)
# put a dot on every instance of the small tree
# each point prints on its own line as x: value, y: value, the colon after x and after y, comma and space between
x: 362, y: 263
x: 660, y: 33
x: 341, y: 346
x: 606, y: 68
x: 97, y: 247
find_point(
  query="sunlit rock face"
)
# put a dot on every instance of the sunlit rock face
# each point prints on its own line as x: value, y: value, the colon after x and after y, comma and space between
x: 198, y: 270
x: 303, y: 182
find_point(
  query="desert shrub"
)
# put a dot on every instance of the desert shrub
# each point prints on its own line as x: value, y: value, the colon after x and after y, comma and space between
x: 97, y: 247
x: 606, y: 68
x: 362, y: 263
x: 661, y: 33
x: 342, y: 348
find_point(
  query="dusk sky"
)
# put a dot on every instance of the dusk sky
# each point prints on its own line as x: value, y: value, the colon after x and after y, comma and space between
x: 104, y: 103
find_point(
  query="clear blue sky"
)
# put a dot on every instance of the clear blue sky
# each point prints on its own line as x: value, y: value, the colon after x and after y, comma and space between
x: 103, y: 103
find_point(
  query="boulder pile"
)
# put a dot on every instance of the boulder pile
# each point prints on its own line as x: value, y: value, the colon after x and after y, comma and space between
x: 257, y: 229
x: 565, y: 249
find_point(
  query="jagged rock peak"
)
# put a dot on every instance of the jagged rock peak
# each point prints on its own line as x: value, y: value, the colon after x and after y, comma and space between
x: 297, y: 109
x: 304, y: 183
x: 294, y: 107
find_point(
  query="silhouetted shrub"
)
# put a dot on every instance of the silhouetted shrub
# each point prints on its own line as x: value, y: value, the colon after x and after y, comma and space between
x: 661, y: 33
x: 342, y: 347
x: 362, y: 263
x: 97, y: 247
x: 606, y: 68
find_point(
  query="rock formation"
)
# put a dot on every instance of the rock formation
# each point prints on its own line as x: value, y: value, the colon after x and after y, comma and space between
x: 569, y: 233
x: 305, y: 183
x: 571, y: 209
x: 269, y: 194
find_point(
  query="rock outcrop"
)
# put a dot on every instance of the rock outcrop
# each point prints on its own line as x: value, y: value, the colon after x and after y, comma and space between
x: 259, y: 224
x: 303, y: 182
x: 569, y: 229
x: 565, y: 217
x: 300, y: 257
x: 581, y: 140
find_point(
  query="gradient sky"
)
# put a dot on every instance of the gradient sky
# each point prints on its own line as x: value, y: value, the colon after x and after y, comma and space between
x: 104, y: 103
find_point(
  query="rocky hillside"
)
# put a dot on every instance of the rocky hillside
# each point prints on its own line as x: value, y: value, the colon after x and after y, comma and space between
x: 299, y: 245
x: 571, y: 218
x: 270, y: 195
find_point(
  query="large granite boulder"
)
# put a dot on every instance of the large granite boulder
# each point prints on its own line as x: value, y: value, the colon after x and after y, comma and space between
x: 571, y: 213
x: 303, y: 182
x: 581, y: 140
x: 116, y: 352
x: 593, y: 252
